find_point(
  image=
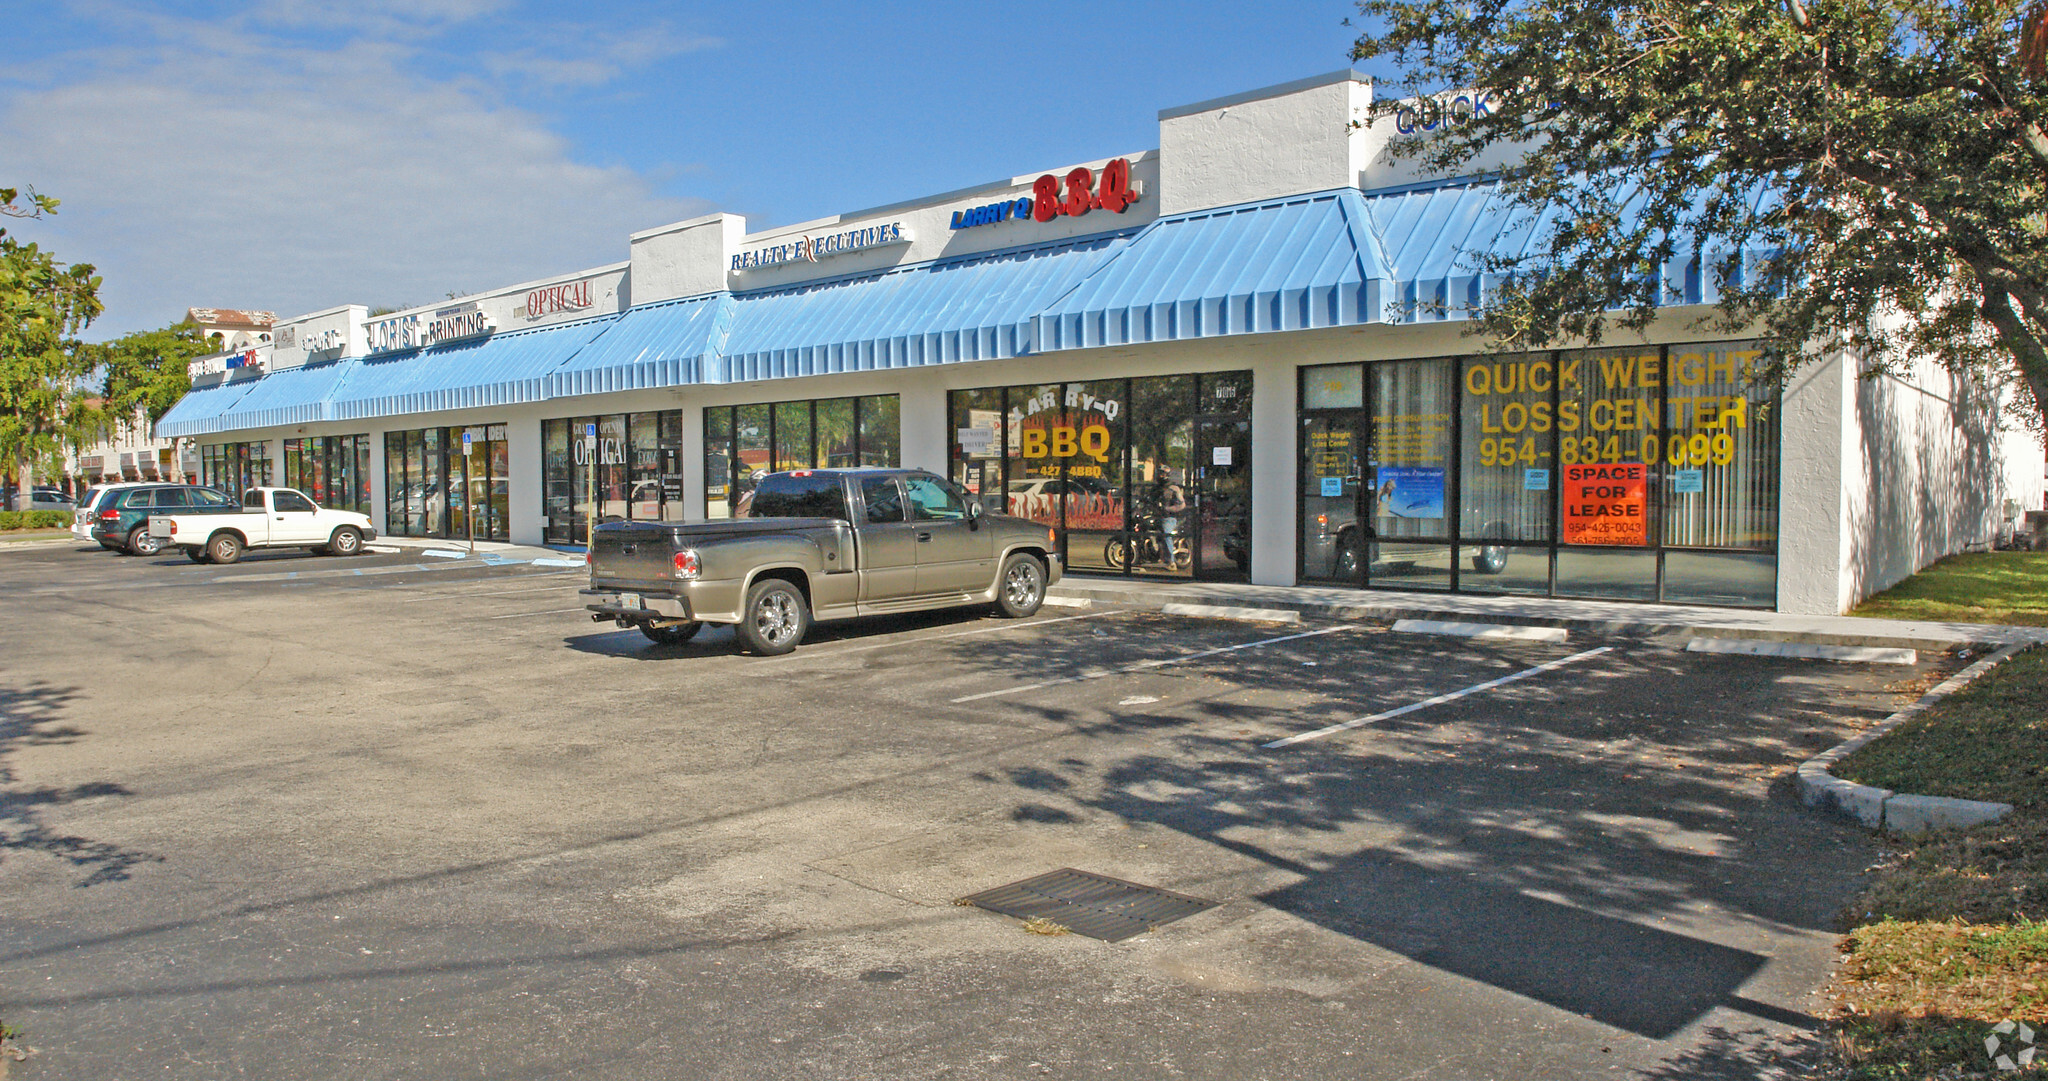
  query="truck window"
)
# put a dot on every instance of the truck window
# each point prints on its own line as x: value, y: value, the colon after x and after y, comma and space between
x: 930, y: 501
x: 292, y: 501
x: 884, y: 499
x: 791, y: 495
x: 253, y: 499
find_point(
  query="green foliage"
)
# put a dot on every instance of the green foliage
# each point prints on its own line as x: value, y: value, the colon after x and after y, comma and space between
x: 42, y: 303
x: 34, y: 519
x: 149, y: 369
x: 1988, y: 741
x: 1885, y: 156
x: 1973, y: 587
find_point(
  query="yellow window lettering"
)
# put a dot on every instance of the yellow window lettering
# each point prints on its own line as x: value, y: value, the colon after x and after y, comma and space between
x: 1063, y: 442
x: 1034, y: 443
x: 1648, y: 374
x: 1691, y: 369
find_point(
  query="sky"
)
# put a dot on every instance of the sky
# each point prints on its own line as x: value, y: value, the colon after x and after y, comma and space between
x: 294, y: 155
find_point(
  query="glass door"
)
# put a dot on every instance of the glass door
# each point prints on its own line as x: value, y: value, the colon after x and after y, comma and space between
x: 1220, y: 504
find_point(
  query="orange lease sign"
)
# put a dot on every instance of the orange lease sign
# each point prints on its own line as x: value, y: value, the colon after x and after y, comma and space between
x: 1606, y: 504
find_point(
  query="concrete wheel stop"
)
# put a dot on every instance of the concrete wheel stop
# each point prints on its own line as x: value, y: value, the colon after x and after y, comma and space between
x: 1882, y: 808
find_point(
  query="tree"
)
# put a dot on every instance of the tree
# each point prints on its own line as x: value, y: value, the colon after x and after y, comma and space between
x: 1887, y: 155
x: 149, y: 370
x: 42, y: 302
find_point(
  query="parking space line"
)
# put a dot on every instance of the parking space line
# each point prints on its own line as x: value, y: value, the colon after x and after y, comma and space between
x: 549, y: 612
x: 1438, y: 700
x: 445, y: 594
x: 1142, y: 666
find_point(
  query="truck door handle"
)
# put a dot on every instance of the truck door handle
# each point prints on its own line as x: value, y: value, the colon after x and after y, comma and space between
x: 923, y: 537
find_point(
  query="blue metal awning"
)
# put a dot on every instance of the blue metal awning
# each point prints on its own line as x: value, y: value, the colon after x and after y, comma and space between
x: 199, y: 411
x: 967, y: 308
x: 1327, y: 259
x: 1289, y: 264
x: 291, y: 396
x: 503, y: 369
x: 661, y: 345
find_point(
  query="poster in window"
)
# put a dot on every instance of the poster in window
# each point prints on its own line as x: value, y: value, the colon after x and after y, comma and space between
x: 1410, y: 491
x: 1606, y: 504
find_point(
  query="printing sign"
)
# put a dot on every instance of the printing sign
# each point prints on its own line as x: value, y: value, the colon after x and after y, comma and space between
x: 456, y: 324
x: 813, y: 248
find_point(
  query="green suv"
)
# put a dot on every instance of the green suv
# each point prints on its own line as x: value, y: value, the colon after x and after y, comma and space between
x: 122, y: 520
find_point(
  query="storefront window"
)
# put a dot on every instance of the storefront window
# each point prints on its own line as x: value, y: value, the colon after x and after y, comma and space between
x: 744, y: 443
x: 1647, y: 474
x: 334, y: 470
x: 637, y: 473
x: 1408, y: 475
x: 235, y: 467
x: 1125, y: 469
x: 794, y: 445
x: 881, y: 430
x: 430, y: 484
x: 718, y: 463
x: 1097, y: 455
x: 1507, y: 472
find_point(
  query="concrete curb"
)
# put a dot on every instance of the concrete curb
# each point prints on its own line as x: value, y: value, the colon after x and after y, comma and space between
x: 1386, y: 608
x: 1882, y: 808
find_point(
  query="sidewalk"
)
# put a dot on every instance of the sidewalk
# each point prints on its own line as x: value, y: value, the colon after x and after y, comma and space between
x: 1612, y: 617
x: 488, y: 551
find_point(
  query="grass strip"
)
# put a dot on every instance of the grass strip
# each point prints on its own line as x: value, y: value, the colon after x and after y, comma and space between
x: 1951, y: 937
x: 1988, y: 741
x: 1975, y: 587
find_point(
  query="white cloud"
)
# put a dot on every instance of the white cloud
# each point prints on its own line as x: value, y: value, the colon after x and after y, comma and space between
x: 242, y: 169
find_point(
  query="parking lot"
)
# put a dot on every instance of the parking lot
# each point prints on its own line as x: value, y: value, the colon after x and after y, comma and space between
x: 394, y: 816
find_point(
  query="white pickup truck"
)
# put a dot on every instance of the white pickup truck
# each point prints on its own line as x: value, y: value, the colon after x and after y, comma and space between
x: 268, y: 518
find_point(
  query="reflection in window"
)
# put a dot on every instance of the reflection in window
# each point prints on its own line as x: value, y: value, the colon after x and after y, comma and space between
x: 744, y: 443
x: 932, y: 502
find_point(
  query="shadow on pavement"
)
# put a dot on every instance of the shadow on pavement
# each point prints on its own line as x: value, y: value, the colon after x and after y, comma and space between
x: 29, y: 716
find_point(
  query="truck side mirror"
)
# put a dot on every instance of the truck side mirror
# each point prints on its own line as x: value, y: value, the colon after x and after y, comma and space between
x: 974, y: 509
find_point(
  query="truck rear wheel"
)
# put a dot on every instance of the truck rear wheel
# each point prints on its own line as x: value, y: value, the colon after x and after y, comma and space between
x: 674, y: 634
x: 1021, y: 587
x: 774, y: 618
x: 223, y: 548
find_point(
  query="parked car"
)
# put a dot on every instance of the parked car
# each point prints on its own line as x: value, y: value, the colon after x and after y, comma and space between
x: 267, y: 518
x: 122, y: 521
x: 91, y: 502
x: 41, y: 497
x: 824, y: 544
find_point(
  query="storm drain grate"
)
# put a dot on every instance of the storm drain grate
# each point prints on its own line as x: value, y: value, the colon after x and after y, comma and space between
x: 1089, y: 904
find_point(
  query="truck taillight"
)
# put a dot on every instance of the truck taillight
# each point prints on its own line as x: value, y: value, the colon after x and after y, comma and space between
x: 687, y: 565
x: 174, y: 527
x: 1050, y: 540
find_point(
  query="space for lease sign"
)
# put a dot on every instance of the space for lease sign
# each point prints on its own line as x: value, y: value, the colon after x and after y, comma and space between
x: 1606, y: 504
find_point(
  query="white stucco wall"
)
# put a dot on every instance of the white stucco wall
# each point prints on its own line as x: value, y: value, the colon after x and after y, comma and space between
x: 1884, y: 474
x: 1263, y: 144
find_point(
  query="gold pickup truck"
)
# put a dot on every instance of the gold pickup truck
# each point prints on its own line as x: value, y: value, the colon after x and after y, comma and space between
x: 819, y: 544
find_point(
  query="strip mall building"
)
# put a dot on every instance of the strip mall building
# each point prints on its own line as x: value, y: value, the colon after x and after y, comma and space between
x: 1238, y: 356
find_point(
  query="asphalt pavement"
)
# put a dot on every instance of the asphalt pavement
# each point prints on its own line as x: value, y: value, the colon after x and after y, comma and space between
x: 408, y: 815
